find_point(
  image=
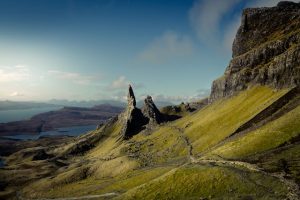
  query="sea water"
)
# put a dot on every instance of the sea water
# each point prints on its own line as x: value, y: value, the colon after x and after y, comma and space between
x: 68, y: 131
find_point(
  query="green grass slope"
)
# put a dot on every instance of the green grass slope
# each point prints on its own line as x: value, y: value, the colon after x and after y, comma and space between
x: 168, y: 161
x: 270, y: 136
x: 219, y: 120
x: 209, y: 182
x: 201, y: 130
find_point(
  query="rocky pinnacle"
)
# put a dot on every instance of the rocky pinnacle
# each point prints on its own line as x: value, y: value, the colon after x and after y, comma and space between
x: 134, y: 120
x: 130, y: 97
x: 150, y: 111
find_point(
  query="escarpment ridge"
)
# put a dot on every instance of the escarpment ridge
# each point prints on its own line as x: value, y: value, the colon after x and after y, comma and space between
x: 266, y: 51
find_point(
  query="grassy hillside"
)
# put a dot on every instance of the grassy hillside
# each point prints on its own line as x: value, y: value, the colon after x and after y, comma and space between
x: 207, y: 182
x: 203, y: 129
x: 267, y: 137
x: 220, y: 119
x: 177, y: 160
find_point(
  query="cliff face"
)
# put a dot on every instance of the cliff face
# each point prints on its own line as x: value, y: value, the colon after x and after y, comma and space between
x: 266, y: 51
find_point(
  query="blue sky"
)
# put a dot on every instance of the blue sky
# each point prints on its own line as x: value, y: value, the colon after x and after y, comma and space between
x: 89, y: 50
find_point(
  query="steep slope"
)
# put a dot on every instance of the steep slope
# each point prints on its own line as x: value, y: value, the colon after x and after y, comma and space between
x: 243, y: 145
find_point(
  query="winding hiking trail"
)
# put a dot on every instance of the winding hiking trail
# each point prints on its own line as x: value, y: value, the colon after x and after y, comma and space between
x: 187, y: 142
x: 293, y: 188
x: 294, y: 191
x: 112, y: 194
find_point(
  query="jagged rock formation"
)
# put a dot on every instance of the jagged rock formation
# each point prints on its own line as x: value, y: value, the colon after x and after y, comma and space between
x: 133, y: 119
x: 266, y: 51
x: 151, y: 112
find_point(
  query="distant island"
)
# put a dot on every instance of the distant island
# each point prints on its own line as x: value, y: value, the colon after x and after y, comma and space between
x: 65, y: 117
x: 21, y: 105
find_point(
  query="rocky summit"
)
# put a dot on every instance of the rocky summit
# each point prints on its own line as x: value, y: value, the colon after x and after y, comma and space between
x: 266, y: 51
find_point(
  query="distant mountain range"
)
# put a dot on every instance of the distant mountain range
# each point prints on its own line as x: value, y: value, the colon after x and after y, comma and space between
x: 89, y: 103
x: 20, y: 105
x: 65, y: 117
x: 92, y: 103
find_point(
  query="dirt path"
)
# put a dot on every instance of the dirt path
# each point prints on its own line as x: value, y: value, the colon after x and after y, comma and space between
x: 294, y: 191
x: 187, y: 142
x: 112, y: 194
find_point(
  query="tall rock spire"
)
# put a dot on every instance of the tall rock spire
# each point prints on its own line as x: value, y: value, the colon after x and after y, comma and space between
x: 133, y: 119
x: 130, y: 97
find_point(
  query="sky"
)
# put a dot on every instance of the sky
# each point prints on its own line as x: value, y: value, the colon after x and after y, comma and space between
x: 92, y: 50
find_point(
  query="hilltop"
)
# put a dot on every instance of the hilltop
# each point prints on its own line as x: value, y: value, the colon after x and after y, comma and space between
x: 241, y: 143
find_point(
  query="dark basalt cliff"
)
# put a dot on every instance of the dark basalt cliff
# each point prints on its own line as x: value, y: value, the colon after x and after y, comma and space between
x: 266, y: 51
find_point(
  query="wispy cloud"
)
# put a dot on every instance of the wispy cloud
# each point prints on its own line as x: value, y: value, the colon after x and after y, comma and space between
x: 206, y: 18
x: 15, y: 73
x: 73, y: 77
x: 16, y: 94
x: 168, y: 46
x: 264, y: 3
x: 121, y: 83
x: 199, y: 94
x: 119, y: 95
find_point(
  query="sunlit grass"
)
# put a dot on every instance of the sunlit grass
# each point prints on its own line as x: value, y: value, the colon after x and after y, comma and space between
x: 267, y: 137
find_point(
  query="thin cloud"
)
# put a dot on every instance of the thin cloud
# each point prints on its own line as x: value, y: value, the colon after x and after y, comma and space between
x: 168, y: 46
x: 73, y: 77
x: 15, y: 73
x: 16, y: 94
x: 206, y: 18
x: 119, y: 96
x: 121, y: 83
x: 230, y: 32
x: 199, y: 94
x: 263, y: 3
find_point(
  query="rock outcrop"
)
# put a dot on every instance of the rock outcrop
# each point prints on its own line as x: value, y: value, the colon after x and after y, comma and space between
x: 133, y: 119
x: 151, y: 112
x: 266, y: 51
